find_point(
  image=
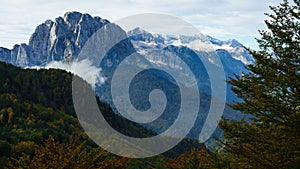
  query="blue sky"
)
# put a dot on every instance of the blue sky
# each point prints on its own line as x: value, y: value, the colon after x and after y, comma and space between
x: 222, y: 19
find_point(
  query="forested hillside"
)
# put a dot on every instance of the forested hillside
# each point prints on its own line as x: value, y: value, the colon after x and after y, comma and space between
x: 36, y: 111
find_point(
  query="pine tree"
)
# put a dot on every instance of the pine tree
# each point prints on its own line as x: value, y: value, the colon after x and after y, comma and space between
x: 270, y: 136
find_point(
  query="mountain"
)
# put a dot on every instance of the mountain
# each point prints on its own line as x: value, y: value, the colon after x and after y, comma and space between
x: 234, y: 48
x: 63, y: 40
x: 57, y: 40
x: 233, y: 56
x: 230, y: 50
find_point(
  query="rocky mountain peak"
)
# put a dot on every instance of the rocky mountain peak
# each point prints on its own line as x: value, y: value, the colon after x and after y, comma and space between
x: 137, y: 30
x: 55, y: 40
x: 139, y: 34
x: 233, y: 43
x: 72, y: 17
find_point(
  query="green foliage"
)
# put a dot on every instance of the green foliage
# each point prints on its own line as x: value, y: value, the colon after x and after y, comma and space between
x: 271, y: 96
x: 37, y: 104
x: 48, y: 88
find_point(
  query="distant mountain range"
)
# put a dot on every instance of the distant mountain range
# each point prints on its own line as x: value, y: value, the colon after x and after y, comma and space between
x: 145, y: 40
x: 62, y: 40
x: 232, y: 54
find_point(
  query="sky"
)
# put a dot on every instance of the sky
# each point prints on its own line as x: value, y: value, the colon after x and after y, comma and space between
x: 221, y: 19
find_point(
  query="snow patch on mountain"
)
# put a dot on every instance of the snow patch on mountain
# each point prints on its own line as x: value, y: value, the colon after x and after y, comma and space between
x: 144, y: 40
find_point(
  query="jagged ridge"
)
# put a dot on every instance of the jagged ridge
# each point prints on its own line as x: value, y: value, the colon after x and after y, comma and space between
x: 55, y: 40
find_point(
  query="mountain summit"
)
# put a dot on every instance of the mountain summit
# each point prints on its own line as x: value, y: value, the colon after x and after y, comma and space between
x: 54, y: 40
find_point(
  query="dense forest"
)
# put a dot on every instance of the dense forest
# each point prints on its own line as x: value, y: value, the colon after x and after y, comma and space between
x: 39, y: 128
x: 37, y: 113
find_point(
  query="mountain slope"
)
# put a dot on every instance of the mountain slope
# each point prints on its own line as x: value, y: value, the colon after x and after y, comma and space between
x: 233, y: 56
x: 36, y: 104
x: 48, y: 90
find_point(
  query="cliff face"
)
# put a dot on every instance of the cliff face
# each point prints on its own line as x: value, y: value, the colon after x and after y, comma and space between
x: 55, y: 40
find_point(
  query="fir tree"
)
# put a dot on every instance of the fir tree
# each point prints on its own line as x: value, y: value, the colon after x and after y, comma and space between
x: 270, y: 136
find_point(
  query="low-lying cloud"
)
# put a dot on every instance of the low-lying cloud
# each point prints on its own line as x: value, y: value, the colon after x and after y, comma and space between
x: 83, y: 69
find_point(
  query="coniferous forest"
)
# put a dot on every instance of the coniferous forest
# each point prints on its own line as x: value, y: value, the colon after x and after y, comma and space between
x: 39, y: 128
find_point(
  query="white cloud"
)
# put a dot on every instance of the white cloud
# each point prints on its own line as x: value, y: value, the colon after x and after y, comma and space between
x: 83, y: 69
